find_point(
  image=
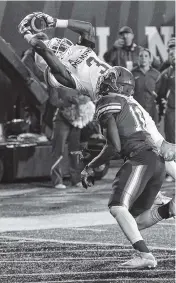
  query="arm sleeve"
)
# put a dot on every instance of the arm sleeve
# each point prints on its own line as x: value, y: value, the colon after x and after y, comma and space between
x: 81, y: 27
x: 85, y: 29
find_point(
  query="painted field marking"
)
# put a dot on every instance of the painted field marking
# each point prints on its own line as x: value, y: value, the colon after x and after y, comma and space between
x: 68, y: 220
x: 126, y: 247
x: 68, y: 259
x: 83, y: 272
x: 144, y: 280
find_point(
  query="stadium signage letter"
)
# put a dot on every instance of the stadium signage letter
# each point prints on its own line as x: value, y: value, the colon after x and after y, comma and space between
x: 102, y: 34
x: 156, y: 44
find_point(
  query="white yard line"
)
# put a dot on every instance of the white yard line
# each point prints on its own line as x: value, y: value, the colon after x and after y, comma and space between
x: 68, y: 220
x: 81, y: 242
x: 65, y: 259
x: 15, y: 192
x: 83, y: 272
x: 156, y: 280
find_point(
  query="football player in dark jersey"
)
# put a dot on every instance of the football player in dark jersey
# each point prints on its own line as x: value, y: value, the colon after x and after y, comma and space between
x: 140, y: 178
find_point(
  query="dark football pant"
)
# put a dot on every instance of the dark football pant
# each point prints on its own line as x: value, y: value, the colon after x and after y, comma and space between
x: 137, y: 182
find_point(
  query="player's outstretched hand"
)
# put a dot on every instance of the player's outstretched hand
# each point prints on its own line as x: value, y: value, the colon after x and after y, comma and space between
x: 50, y: 21
x: 87, y: 177
x: 25, y: 25
x: 168, y: 151
x: 28, y: 25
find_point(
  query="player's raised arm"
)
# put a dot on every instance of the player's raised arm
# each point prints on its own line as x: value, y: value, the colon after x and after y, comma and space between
x: 85, y: 29
x: 58, y: 69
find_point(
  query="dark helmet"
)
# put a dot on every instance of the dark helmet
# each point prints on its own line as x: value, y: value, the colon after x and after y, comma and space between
x: 116, y: 79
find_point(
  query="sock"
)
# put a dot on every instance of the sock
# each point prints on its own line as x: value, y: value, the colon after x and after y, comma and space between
x: 127, y: 223
x: 164, y: 211
x: 141, y: 246
x: 148, y: 218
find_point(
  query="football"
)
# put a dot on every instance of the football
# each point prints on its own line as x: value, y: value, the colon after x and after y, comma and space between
x: 38, y: 23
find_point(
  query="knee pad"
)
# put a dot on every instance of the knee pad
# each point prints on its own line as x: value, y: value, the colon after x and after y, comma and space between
x: 115, y: 210
x: 126, y: 222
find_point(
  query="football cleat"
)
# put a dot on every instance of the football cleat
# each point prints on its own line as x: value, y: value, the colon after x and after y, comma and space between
x: 143, y: 260
x: 161, y: 199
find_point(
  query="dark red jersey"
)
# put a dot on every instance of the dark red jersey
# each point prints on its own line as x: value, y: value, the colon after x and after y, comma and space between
x: 130, y: 121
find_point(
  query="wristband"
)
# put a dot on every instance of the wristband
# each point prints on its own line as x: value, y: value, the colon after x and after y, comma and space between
x: 61, y: 23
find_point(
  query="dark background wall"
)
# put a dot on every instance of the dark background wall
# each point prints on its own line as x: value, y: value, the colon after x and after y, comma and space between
x: 112, y: 14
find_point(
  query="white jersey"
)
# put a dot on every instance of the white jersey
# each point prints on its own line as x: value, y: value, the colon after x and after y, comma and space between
x: 85, y: 67
x: 150, y: 126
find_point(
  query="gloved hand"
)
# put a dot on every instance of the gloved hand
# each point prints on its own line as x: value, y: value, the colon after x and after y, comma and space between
x: 168, y: 150
x: 25, y: 25
x: 50, y: 21
x: 87, y: 177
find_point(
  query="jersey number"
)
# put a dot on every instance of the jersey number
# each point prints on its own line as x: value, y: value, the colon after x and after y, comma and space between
x: 92, y: 61
x: 138, y: 117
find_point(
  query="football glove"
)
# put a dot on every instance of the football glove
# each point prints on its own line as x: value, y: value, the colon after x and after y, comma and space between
x: 50, y: 21
x: 25, y: 25
x: 87, y: 177
x: 168, y: 150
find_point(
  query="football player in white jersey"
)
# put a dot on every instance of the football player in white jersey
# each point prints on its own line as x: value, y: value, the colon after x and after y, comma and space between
x: 72, y: 65
x: 77, y: 66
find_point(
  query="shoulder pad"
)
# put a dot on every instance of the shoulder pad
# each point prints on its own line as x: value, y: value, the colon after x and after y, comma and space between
x: 107, y: 106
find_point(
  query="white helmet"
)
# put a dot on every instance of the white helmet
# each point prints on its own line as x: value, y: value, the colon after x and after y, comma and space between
x: 59, y: 46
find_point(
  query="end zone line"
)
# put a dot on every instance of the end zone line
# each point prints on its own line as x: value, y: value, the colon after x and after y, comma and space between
x: 80, y: 242
x: 85, y: 272
x: 65, y: 260
x: 111, y: 280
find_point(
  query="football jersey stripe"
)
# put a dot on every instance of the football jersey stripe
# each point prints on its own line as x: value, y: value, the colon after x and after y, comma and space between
x: 108, y: 104
x: 109, y: 107
x: 133, y: 182
x: 99, y: 115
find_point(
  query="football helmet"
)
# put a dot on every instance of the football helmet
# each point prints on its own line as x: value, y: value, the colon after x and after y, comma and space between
x: 59, y: 46
x: 116, y: 79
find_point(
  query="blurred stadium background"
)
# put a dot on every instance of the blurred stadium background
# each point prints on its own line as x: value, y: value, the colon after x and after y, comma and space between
x: 106, y: 16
